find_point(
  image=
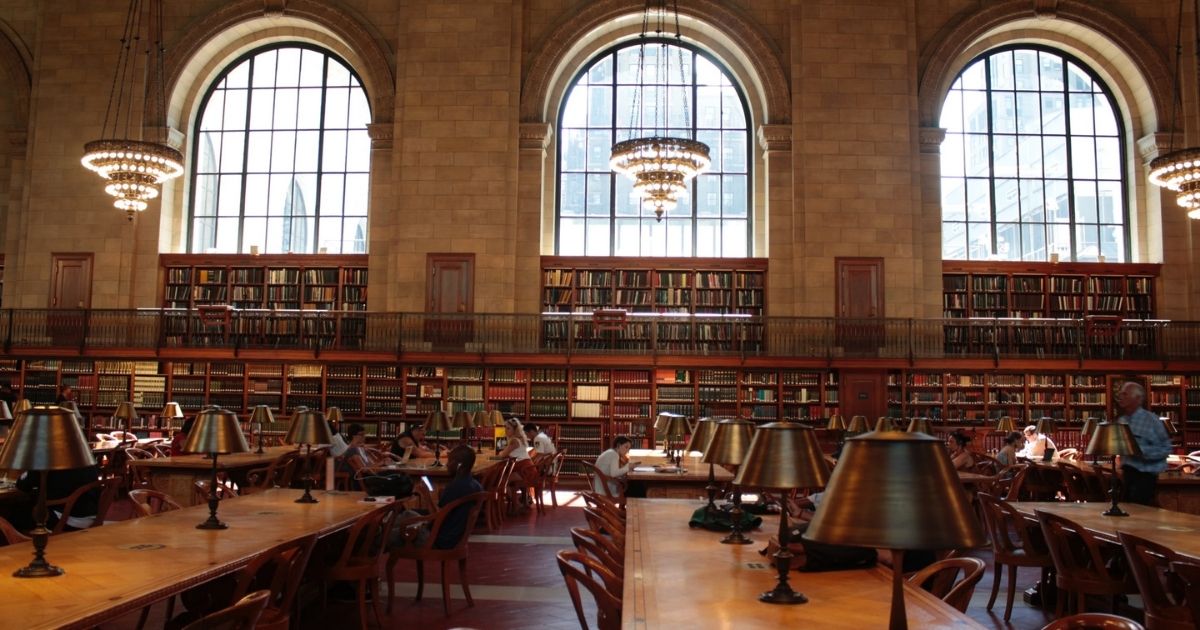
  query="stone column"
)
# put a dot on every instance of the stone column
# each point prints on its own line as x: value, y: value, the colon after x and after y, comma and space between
x: 534, y: 182
x: 928, y: 251
x: 775, y: 221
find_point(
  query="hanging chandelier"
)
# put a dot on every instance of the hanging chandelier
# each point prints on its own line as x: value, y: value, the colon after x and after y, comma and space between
x: 659, y: 164
x: 134, y: 168
x: 1179, y: 171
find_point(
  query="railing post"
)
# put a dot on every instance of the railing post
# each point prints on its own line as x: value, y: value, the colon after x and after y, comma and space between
x: 8, y: 337
x: 87, y: 320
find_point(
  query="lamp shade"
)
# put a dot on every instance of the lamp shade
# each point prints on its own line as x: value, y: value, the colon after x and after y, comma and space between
x: 5, y: 413
x: 126, y: 412
x: 674, y: 426
x: 334, y: 415
x: 1006, y: 425
x: 70, y: 406
x: 1045, y: 425
x: 22, y: 405
x: 783, y: 455
x: 172, y: 411
x: 491, y: 418
x: 663, y: 420
x: 216, y: 430
x: 729, y: 443
x: 463, y: 420
x: 1089, y: 426
x: 262, y: 415
x: 437, y: 421
x: 858, y: 424
x: 308, y: 427
x: 1113, y: 438
x: 45, y: 437
x: 885, y: 423
x: 701, y: 435
x: 895, y: 490
x: 836, y: 423
x: 920, y: 425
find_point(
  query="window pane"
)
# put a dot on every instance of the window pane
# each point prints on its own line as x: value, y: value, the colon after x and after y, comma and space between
x: 571, y: 237
x: 1087, y: 243
x: 1008, y: 241
x: 1085, y: 202
x: 979, y: 200
x: 1110, y: 205
x: 358, y: 151
x: 975, y: 111
x: 1083, y: 157
x: 1029, y: 149
x: 1005, y: 156
x: 257, y: 193
x: 1108, y: 158
x: 980, y: 247
x: 1004, y: 112
x: 1001, y: 68
x: 1106, y: 121
x: 285, y: 109
x: 262, y: 109
x: 1058, y: 203
x: 599, y: 105
x: 573, y: 149
x: 1025, y: 69
x: 954, y: 199
x: 597, y: 237
x: 331, y: 194
x: 952, y: 155
x: 1007, y: 201
x: 708, y: 193
x: 1029, y: 112
x: 708, y: 237
x: 626, y: 203
x: 733, y: 144
x: 230, y: 195
x: 734, y: 196
x: 1053, y: 114
x: 283, y: 151
x: 337, y: 107
x: 1032, y: 201
x: 1081, y: 114
x: 1055, y: 161
x: 626, y: 239
x: 1051, y: 67
x: 952, y: 113
x: 735, y: 238
x: 598, y: 202
x: 954, y: 241
x: 254, y: 233
x: 1033, y: 242
x: 1059, y: 240
x: 599, y: 149
x: 978, y: 160
x: 1112, y: 242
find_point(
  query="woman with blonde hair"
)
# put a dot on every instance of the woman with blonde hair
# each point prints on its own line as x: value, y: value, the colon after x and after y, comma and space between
x: 517, y: 448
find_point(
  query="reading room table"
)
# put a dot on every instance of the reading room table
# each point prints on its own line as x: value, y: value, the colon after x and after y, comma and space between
x: 1176, y: 530
x: 175, y: 475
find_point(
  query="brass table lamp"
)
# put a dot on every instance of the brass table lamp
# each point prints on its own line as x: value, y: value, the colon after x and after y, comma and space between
x: 333, y: 415
x: 437, y: 422
x: 783, y: 456
x: 837, y: 426
x: 42, y: 439
x: 885, y: 423
x: 124, y: 416
x: 70, y: 406
x: 261, y: 417
x: 674, y: 428
x: 492, y: 418
x: 898, y: 491
x: 728, y: 448
x: 22, y: 405
x: 465, y: 422
x: 1006, y: 425
x: 701, y: 436
x: 858, y: 425
x: 920, y: 425
x: 664, y: 424
x: 1046, y: 426
x: 216, y: 431
x: 171, y: 411
x: 1115, y: 439
x: 308, y: 428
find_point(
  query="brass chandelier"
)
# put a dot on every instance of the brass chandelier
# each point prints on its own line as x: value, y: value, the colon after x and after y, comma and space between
x: 1179, y: 171
x: 134, y: 168
x: 659, y: 164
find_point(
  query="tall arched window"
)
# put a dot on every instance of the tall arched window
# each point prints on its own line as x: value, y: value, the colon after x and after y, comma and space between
x: 1033, y: 161
x: 597, y: 214
x: 282, y: 156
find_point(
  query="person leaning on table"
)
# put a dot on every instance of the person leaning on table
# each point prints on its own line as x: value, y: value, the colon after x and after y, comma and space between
x: 1035, y: 444
x: 615, y: 463
x: 1140, y: 474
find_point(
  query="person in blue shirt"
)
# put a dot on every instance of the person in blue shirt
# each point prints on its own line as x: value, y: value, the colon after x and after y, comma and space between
x: 1140, y: 474
x: 459, y: 463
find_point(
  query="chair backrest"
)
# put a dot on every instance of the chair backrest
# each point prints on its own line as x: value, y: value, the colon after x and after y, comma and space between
x: 149, y: 502
x: 277, y: 475
x: 1069, y: 454
x: 603, y: 484
x: 939, y: 579
x: 1004, y: 522
x: 161, y: 450
x: 9, y: 534
x: 608, y: 606
x: 1188, y: 572
x: 604, y: 505
x: 133, y: 452
x: 1094, y: 621
x: 473, y: 503
x: 278, y: 570
x: 604, y: 522
x: 368, y: 536
x: 1074, y: 482
x: 200, y: 490
x: 108, y: 495
x: 600, y: 546
x: 1076, y: 553
x: 68, y: 504
x: 240, y: 616
x: 1162, y: 593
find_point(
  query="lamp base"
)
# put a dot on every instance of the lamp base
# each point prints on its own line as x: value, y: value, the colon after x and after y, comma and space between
x: 436, y: 464
x: 35, y: 569
x: 307, y: 497
x: 1114, y: 511
x: 736, y: 538
x: 212, y: 523
x: 783, y: 595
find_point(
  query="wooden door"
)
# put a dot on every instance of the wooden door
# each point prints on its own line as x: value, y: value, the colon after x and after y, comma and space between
x: 70, y: 293
x: 449, y: 294
x: 863, y: 393
x: 859, y: 287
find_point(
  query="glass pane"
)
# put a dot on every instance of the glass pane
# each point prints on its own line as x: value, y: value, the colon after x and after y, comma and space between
x: 980, y: 241
x: 333, y: 157
x: 331, y: 194
x: 287, y: 70
x: 597, y: 237
x: 337, y: 107
x: 1087, y: 243
x: 329, y: 234
x: 1007, y: 201
x: 975, y: 111
x: 257, y: 194
x: 356, y: 194
x: 337, y: 75
x: 1077, y: 79
x: 312, y: 68
x: 952, y: 155
x: 1005, y: 156
x: 599, y: 149
x: 708, y: 237
x: 1108, y: 158
x: 254, y: 232
x: 601, y: 71
x: 1081, y: 114
x: 733, y: 115
x: 952, y: 112
x: 1106, y: 121
x: 600, y: 105
x: 676, y: 116
x: 708, y: 107
x: 1112, y: 243
x: 262, y: 109
x: 1001, y: 68
x: 735, y: 238
x: 626, y: 238
x: 1085, y: 202
x: 1008, y: 241
x: 1029, y: 112
x: 258, y: 158
x: 1033, y: 207
x: 679, y: 238
x: 280, y: 194
x: 733, y: 151
x: 706, y: 72
x: 1059, y: 240
x: 283, y: 151
x: 978, y: 160
x: 715, y: 150
x: 214, y: 111
x: 571, y: 237
x: 354, y: 235
x: 598, y: 202
x: 1083, y: 157
x: 708, y: 197
x: 206, y: 196
x: 235, y: 109
x: 358, y: 151
x: 1004, y: 112
x: 954, y: 241
x: 1051, y: 69
x: 1058, y: 204
x: 308, y: 109
x: 973, y: 77
x: 979, y: 200
x: 1033, y: 242
x: 733, y: 196
x: 954, y: 199
x: 239, y: 77
x: 360, y: 111
x: 573, y: 148
x: 1109, y: 203
x: 1025, y: 69
x: 1053, y: 114
x: 574, y: 113
x: 203, y: 234
x: 654, y: 239
x: 1030, y: 151
x: 264, y: 69
x: 1055, y: 161
x: 227, y: 236
x: 230, y: 196
x: 308, y: 146
x: 233, y: 145
x: 627, y: 204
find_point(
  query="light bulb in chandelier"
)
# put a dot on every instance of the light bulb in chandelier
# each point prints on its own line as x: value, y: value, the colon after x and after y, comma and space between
x: 660, y: 167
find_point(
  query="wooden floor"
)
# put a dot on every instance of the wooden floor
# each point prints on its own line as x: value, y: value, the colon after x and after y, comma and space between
x: 516, y: 584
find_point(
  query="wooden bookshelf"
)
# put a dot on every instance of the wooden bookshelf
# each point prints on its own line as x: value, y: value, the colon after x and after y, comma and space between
x: 1032, y: 290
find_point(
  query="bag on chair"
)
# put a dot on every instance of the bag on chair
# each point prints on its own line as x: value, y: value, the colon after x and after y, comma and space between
x: 396, y: 485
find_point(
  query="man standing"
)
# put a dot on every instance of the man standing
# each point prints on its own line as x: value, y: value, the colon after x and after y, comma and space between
x: 1140, y: 474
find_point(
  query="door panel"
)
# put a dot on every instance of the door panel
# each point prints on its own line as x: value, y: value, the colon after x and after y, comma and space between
x: 450, y: 282
x: 863, y: 393
x: 859, y: 301
x: 70, y: 293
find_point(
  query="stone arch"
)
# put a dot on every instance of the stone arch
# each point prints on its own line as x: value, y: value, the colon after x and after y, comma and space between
x: 1112, y: 43
x: 740, y: 43
x: 236, y: 27
x: 15, y: 62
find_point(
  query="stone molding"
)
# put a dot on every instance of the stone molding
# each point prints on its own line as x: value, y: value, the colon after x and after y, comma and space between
x: 534, y: 136
x: 931, y: 139
x: 775, y: 138
x: 382, y: 135
x: 1153, y: 145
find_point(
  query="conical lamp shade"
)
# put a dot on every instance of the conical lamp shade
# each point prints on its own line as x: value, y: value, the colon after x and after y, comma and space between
x: 920, y: 425
x: 262, y: 415
x: 437, y: 421
x: 1089, y: 426
x: 675, y: 426
x: 836, y: 423
x: 45, y: 437
x: 895, y: 490
x: 783, y: 455
x: 22, y: 405
x: 705, y: 428
x: 463, y: 420
x: 5, y: 413
x: 1113, y: 438
x: 334, y: 415
x: 858, y: 424
x: 172, y: 410
x: 885, y: 423
x: 730, y: 443
x: 308, y: 427
x: 491, y: 418
x: 1045, y: 425
x: 125, y: 411
x: 216, y: 431
x: 1006, y: 425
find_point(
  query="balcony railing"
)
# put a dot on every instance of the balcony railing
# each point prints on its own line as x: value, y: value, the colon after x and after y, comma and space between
x: 582, y: 333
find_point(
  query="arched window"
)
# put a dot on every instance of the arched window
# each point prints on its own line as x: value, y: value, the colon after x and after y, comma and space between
x: 282, y: 156
x: 1033, y: 161
x: 597, y: 214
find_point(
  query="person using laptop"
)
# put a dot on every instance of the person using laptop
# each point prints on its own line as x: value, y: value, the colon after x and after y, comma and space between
x: 411, y: 443
x: 1036, y: 444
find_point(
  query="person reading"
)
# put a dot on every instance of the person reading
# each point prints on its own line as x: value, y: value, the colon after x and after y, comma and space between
x: 541, y: 443
x: 1035, y: 444
x: 414, y: 439
x: 614, y: 463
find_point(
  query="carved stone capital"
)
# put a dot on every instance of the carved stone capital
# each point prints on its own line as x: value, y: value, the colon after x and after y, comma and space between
x: 534, y: 136
x: 1155, y: 144
x: 931, y: 139
x: 775, y: 138
x: 170, y: 136
x: 381, y: 135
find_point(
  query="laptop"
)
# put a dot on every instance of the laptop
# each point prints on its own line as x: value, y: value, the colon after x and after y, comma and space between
x: 1048, y: 456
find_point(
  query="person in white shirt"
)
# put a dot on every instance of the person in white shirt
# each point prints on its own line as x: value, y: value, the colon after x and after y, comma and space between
x: 518, y: 449
x: 614, y: 463
x: 542, y: 444
x: 1035, y: 444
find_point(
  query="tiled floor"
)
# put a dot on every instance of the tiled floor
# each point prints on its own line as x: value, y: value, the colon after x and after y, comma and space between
x: 516, y: 584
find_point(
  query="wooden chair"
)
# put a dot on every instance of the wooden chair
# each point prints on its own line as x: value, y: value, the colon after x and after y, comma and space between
x: 986, y: 464
x: 606, y: 524
x: 939, y: 579
x: 9, y: 534
x: 1074, y: 482
x: 109, y: 486
x: 608, y: 606
x: 160, y: 450
x: 604, y: 505
x: 601, y: 547
x: 551, y: 476
x: 138, y: 477
x: 1094, y: 621
x: 603, y: 485
x: 495, y: 484
x: 240, y: 616
x: 408, y: 547
x: 359, y: 560
x: 149, y: 502
x: 278, y: 570
x: 1081, y: 566
x: 66, y: 506
x: 278, y: 474
x: 200, y: 491
x: 1026, y: 549
x: 1162, y: 595
x: 1188, y: 572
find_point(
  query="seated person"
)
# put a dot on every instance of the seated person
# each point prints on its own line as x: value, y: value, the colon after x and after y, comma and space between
x: 459, y: 463
x: 959, y: 455
x: 59, y: 485
x: 1035, y: 444
x: 542, y: 444
x: 355, y: 458
x: 180, y: 437
x: 518, y: 449
x: 338, y: 445
x: 414, y: 437
x: 1008, y: 455
x: 615, y: 463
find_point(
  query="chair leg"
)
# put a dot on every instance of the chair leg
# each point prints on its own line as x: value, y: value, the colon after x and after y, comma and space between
x: 362, y: 604
x: 142, y: 617
x: 1012, y: 590
x: 996, y: 568
x: 462, y: 576
x: 391, y: 580
x: 445, y: 589
x: 420, y: 580
x: 375, y: 597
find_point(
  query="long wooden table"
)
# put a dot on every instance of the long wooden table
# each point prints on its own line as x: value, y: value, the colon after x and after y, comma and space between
x: 176, y: 475
x: 679, y: 577
x: 123, y: 566
x: 661, y: 485
x: 1176, y: 530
